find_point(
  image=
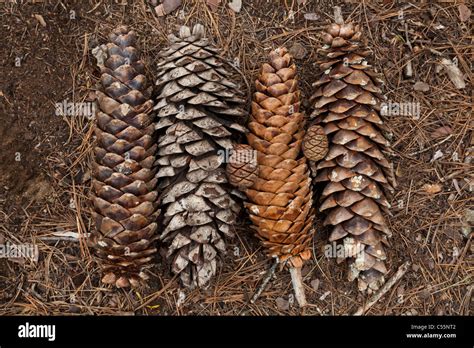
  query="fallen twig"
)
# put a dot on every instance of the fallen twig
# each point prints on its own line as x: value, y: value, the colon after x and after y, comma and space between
x: 432, y: 146
x: 297, y: 281
x: 401, y: 271
x: 265, y: 281
x: 460, y: 259
x: 338, y: 15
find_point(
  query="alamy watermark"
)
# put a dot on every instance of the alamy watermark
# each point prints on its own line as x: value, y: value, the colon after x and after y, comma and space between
x: 342, y: 251
x: 67, y: 108
x: 19, y: 251
x: 410, y: 109
x: 238, y: 156
x: 28, y: 330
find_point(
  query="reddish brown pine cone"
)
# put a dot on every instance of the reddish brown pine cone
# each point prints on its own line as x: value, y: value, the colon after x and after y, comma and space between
x: 242, y: 167
x: 124, y: 194
x: 356, y: 174
x: 281, y: 198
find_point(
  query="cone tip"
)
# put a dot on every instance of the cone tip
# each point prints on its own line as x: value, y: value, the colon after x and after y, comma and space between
x: 198, y: 31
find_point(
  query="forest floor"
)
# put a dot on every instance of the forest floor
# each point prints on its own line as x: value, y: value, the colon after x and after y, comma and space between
x: 45, y: 158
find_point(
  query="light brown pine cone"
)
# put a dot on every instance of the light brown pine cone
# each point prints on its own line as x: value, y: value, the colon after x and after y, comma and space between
x: 280, y: 200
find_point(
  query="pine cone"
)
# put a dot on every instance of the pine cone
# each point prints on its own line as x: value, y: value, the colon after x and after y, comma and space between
x: 124, y: 194
x: 356, y: 172
x: 315, y: 143
x: 242, y: 169
x: 281, y: 198
x: 198, y: 107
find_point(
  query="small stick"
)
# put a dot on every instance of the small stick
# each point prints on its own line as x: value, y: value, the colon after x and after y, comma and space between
x: 58, y: 239
x: 452, y: 175
x: 297, y: 281
x: 408, y: 67
x: 458, y: 263
x: 400, y: 272
x: 338, y: 15
x: 64, y: 236
x: 438, y: 53
x: 432, y: 146
x: 467, y: 299
x: 407, y: 38
x: 267, y: 278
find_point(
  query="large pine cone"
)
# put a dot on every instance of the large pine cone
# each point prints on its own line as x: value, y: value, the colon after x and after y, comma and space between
x: 356, y: 172
x: 281, y: 197
x: 124, y: 185
x: 198, y: 112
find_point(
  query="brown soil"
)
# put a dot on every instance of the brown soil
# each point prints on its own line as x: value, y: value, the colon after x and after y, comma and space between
x: 45, y: 159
